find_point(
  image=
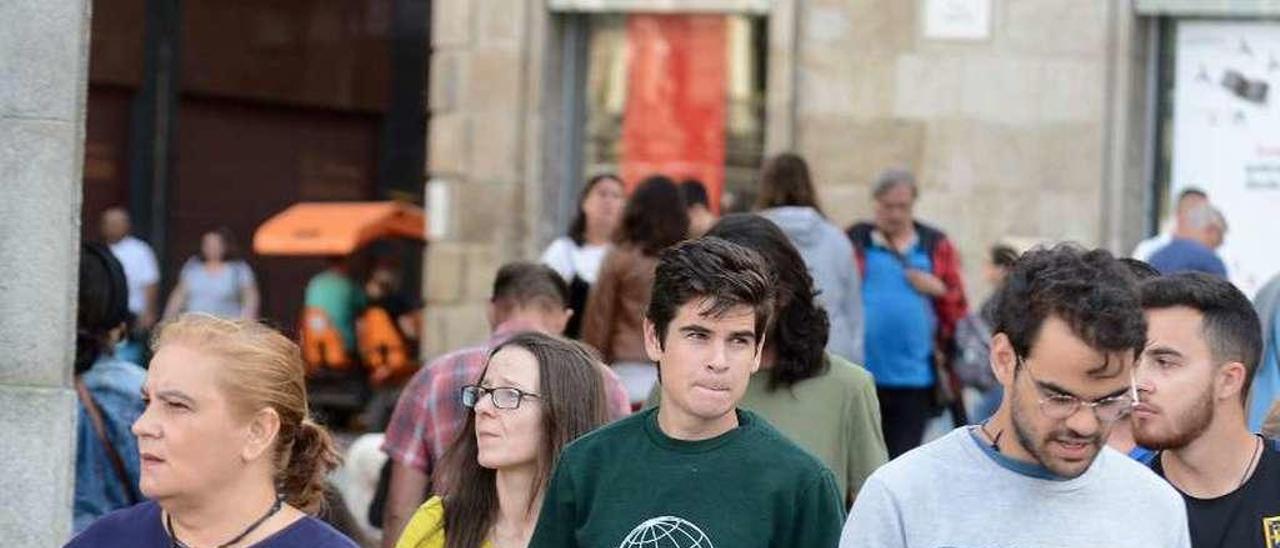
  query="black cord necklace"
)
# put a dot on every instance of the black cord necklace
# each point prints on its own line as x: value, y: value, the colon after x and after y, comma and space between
x: 1257, y: 450
x: 995, y: 440
x: 168, y: 523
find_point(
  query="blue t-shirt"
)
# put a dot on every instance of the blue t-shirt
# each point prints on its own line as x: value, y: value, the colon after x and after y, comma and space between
x: 900, y: 321
x: 141, y: 526
x: 116, y: 387
x: 341, y: 299
x: 1182, y: 255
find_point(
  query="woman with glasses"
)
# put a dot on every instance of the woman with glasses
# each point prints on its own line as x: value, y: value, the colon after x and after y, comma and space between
x: 537, y: 394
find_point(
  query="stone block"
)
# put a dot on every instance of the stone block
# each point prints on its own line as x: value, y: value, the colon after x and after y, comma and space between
x: 1070, y: 215
x: 969, y: 156
x: 1002, y: 89
x: 880, y: 26
x: 485, y: 212
x: 494, y: 79
x: 1056, y: 27
x: 826, y: 23
x: 1071, y: 90
x: 43, y: 58
x: 445, y: 273
x: 449, y: 144
x: 926, y: 87
x: 1070, y: 158
x: 495, y: 146
x: 825, y: 80
x: 451, y: 327
x: 39, y: 234
x: 482, y: 265
x: 451, y: 23
x: 845, y: 203
x: 38, y: 426
x: 501, y: 22
x: 844, y: 151
x: 448, y: 81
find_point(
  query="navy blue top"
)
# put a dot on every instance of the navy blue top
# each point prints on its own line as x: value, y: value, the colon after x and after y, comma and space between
x: 1182, y: 255
x: 141, y: 526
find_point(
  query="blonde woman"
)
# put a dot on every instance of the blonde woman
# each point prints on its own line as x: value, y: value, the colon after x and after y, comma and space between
x: 229, y: 455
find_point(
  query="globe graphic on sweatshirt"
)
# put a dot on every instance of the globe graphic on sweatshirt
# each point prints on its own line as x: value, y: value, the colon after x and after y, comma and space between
x: 666, y: 532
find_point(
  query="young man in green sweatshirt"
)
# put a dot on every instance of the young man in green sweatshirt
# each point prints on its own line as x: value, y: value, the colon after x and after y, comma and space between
x: 696, y: 472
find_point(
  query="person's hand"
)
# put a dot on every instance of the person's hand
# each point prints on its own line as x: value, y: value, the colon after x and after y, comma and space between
x: 926, y: 283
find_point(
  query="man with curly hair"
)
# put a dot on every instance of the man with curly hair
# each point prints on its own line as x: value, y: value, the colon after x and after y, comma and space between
x: 1067, y: 330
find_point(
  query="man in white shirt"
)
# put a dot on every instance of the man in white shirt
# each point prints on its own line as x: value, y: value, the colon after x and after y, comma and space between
x: 141, y: 272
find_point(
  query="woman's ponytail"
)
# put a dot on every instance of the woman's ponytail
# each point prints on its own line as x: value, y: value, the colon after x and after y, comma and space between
x: 311, y: 458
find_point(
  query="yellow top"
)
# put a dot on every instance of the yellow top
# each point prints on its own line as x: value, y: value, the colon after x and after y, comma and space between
x: 426, y: 528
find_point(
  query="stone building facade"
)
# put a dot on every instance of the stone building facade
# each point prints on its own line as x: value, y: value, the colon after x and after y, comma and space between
x: 1037, y: 130
x: 43, y: 67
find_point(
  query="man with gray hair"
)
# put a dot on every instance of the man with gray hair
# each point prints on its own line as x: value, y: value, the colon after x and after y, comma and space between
x: 1193, y: 245
x: 913, y: 297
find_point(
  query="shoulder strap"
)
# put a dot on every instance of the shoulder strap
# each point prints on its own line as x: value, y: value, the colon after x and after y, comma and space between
x: 929, y: 237
x: 100, y: 428
x: 860, y: 235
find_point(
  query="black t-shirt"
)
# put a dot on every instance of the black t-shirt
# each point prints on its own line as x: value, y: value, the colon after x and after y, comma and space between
x: 1248, y: 517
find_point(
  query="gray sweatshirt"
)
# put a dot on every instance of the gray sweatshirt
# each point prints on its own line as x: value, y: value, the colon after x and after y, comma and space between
x: 828, y: 253
x: 956, y: 493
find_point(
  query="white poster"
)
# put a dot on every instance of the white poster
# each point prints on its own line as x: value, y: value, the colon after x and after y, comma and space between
x: 957, y: 19
x: 1226, y: 136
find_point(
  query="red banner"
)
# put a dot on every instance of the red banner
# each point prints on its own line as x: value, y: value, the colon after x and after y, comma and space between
x: 674, y: 123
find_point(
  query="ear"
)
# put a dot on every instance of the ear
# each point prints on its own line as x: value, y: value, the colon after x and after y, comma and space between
x: 264, y: 427
x: 1229, y: 382
x: 562, y: 319
x: 652, y: 341
x: 1003, y: 359
x: 756, y: 360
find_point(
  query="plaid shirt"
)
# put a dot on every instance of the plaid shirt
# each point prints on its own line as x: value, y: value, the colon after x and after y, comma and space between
x: 429, y: 414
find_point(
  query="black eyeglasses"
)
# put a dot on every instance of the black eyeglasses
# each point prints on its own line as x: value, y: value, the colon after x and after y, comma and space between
x: 1062, y: 406
x: 503, y: 397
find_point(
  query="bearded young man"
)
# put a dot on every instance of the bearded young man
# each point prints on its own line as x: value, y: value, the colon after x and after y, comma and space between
x: 1204, y: 345
x: 1068, y: 329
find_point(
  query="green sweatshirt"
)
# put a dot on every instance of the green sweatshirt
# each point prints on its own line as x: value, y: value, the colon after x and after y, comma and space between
x: 628, y: 485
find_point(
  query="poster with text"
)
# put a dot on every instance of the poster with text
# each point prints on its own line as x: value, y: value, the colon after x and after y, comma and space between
x: 1226, y: 136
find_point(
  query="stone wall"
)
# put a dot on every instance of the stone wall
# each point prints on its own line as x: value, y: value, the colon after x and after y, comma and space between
x: 481, y: 86
x: 1036, y: 132
x: 43, y: 62
x: 1009, y: 136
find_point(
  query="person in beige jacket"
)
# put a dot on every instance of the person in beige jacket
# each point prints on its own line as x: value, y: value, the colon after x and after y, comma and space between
x: 654, y: 219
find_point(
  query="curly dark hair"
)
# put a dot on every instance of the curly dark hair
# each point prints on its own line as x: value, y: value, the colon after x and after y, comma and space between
x: 1229, y: 323
x: 655, y: 217
x: 1091, y: 291
x: 725, y: 273
x: 800, y: 325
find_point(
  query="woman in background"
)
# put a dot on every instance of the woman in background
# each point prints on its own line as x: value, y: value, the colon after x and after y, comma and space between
x: 215, y: 281
x: 577, y: 255
x: 788, y: 198
x: 654, y: 219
